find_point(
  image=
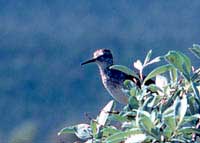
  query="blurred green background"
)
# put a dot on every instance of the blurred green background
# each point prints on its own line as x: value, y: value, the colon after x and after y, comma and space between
x: 42, y: 43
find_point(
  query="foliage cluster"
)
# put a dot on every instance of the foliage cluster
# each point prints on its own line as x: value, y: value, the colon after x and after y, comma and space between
x: 167, y: 111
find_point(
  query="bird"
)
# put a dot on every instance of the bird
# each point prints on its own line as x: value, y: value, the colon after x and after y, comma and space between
x: 112, y: 79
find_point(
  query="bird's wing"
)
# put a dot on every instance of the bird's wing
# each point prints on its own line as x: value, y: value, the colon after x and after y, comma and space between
x: 127, y: 74
x: 122, y: 76
x: 125, y: 70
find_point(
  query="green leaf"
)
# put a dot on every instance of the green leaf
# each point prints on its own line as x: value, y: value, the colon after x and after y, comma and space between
x: 167, y: 132
x: 146, y: 103
x: 153, y: 88
x: 180, y: 61
x: 119, y: 118
x: 196, y: 76
x: 195, y: 90
x: 173, y: 75
x: 183, y: 108
x: 169, y: 120
x: 121, y: 136
x: 157, y: 71
x: 133, y: 91
x: 133, y: 102
x: 82, y: 131
x: 67, y: 130
x: 175, y: 59
x: 129, y: 84
x: 193, y: 105
x: 169, y: 111
x: 186, y: 62
x: 148, y: 56
x: 195, y: 50
x: 188, y: 130
x: 125, y: 70
x: 191, y: 118
x: 109, y: 130
x: 145, y: 121
x: 93, y: 125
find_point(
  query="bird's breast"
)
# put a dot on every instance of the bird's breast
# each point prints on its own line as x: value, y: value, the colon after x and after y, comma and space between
x: 115, y: 88
x: 116, y: 91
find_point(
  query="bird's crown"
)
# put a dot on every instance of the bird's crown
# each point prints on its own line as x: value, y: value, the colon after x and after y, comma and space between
x: 101, y: 52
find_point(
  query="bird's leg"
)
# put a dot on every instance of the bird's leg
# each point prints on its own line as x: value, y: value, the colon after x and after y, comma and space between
x: 113, y: 112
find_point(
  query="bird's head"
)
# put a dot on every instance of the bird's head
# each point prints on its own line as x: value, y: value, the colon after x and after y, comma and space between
x: 103, y: 57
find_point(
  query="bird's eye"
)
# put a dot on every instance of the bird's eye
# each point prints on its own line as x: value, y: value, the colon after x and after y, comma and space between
x: 100, y: 58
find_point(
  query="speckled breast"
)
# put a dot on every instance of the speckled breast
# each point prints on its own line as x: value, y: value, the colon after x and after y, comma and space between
x: 114, y: 87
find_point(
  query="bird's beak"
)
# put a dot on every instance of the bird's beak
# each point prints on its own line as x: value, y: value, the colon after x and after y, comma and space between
x: 89, y: 61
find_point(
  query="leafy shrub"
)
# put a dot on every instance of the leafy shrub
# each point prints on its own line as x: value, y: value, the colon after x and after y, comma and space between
x: 167, y: 111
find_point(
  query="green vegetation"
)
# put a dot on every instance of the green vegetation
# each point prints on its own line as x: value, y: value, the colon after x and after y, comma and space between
x: 167, y: 111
